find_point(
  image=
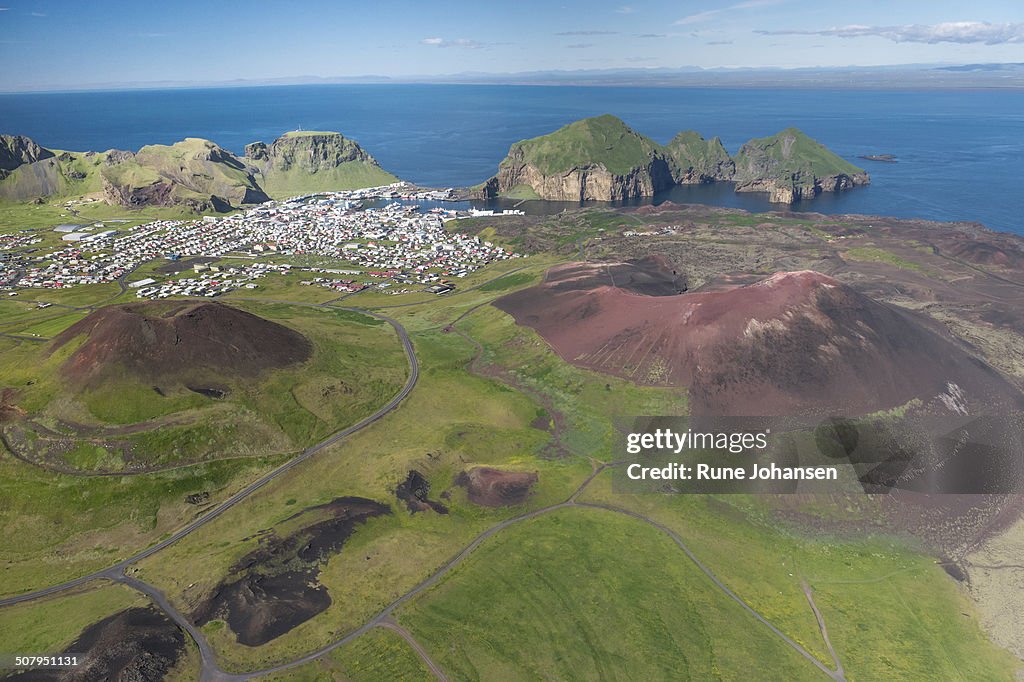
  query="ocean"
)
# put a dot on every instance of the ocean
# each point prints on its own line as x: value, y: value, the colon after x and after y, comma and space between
x: 957, y: 152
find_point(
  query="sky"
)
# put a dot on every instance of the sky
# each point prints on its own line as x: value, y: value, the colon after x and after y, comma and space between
x: 71, y: 43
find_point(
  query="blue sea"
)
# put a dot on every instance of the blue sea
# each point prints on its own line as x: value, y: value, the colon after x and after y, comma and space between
x: 959, y: 152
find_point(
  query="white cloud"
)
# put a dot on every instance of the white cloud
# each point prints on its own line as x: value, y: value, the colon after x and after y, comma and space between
x: 698, y: 17
x: 586, y: 33
x: 962, y: 32
x: 706, y: 15
x: 458, y: 42
x: 626, y: 9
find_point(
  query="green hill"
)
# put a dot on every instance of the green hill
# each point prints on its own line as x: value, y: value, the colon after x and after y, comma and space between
x: 194, y: 172
x: 306, y: 161
x: 597, y: 158
x: 602, y: 140
x: 792, y: 166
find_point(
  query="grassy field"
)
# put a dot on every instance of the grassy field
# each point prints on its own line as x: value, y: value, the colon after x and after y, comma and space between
x: 587, y: 594
x: 892, y: 612
x: 876, y: 255
x: 23, y: 215
x: 378, y: 655
x: 58, y: 527
x: 51, y: 326
x: 49, y: 625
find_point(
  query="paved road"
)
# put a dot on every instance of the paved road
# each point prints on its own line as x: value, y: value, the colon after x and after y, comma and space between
x: 209, y: 671
x: 414, y: 372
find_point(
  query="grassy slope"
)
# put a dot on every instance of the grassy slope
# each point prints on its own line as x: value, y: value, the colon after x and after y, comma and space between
x: 194, y: 176
x: 54, y: 177
x: 805, y: 155
x: 691, y: 150
x: 603, y: 139
x: 351, y: 175
x: 863, y: 585
x: 557, y: 597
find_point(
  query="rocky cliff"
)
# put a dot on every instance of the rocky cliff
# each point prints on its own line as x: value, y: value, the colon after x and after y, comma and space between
x: 17, y: 150
x: 29, y: 171
x: 307, y: 161
x: 790, y: 167
x: 697, y: 161
x: 603, y: 159
x: 595, y: 159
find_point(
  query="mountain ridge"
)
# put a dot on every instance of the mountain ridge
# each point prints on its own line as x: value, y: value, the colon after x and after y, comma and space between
x: 195, y: 174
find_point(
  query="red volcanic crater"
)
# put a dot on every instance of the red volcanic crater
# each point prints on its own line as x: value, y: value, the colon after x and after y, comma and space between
x: 792, y: 343
x: 158, y: 340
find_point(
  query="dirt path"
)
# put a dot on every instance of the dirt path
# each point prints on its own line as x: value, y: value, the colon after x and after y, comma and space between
x: 840, y: 673
x: 390, y: 624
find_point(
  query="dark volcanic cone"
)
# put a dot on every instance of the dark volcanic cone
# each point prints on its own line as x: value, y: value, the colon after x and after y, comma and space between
x: 157, y: 341
x: 794, y: 343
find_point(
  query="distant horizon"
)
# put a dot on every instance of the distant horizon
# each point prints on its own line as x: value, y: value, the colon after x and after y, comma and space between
x: 941, y: 75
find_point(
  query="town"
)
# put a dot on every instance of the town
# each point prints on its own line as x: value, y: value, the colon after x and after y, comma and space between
x: 348, y: 239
